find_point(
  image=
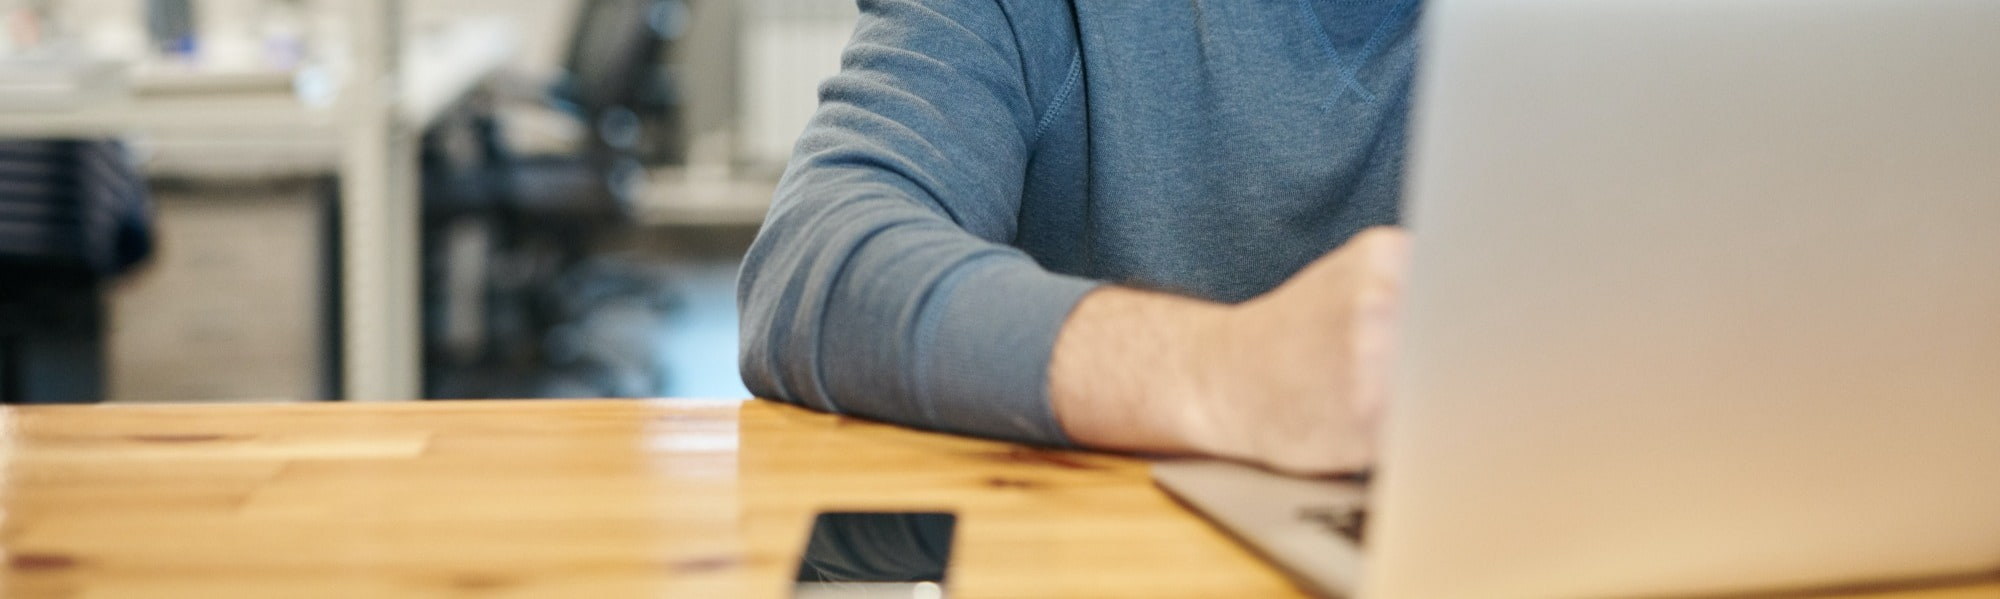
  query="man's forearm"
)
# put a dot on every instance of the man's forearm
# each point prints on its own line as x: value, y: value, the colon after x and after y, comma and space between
x: 1131, y: 370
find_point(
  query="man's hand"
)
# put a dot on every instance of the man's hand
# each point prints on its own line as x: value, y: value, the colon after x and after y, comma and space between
x: 1296, y: 379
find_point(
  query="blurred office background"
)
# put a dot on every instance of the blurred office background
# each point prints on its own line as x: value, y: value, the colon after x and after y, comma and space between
x: 257, y: 200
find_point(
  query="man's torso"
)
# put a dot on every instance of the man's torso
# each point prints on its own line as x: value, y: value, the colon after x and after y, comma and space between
x: 1214, y: 148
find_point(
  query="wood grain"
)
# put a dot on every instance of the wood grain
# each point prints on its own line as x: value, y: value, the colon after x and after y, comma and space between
x: 666, y: 498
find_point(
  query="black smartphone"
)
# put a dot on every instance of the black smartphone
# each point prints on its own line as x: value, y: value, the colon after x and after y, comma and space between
x: 867, y: 555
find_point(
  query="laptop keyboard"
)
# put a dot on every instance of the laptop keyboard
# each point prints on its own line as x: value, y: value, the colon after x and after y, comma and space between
x: 1348, y: 521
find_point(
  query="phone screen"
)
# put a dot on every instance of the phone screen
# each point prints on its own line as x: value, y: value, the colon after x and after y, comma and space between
x: 876, y: 555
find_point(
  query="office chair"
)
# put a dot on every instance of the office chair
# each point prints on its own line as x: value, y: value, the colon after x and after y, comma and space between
x: 73, y: 215
x: 509, y: 235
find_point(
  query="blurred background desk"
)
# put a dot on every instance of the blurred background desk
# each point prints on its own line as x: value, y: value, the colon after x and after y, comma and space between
x: 670, y: 498
x: 225, y: 130
x: 364, y: 135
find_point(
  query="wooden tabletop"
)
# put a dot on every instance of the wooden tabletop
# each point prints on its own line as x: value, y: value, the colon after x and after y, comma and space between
x: 668, y: 498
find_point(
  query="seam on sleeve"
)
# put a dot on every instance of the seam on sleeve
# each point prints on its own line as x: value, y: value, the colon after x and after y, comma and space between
x: 817, y: 377
x: 1061, y: 98
x: 928, y: 321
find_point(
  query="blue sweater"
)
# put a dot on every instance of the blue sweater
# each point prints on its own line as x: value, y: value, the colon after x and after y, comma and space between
x: 979, y: 165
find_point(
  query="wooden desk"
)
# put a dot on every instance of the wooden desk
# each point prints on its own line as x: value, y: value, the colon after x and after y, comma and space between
x: 561, y: 499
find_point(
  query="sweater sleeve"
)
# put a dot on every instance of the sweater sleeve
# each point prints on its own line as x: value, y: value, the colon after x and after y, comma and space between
x: 882, y: 284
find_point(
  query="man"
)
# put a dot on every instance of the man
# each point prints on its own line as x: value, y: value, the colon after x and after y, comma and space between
x: 1137, y: 226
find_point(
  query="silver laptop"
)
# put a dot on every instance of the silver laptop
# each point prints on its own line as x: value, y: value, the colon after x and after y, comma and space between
x: 1705, y: 300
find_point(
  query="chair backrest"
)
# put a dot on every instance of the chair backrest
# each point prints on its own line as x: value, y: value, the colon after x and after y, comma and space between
x: 612, y: 53
x: 70, y: 205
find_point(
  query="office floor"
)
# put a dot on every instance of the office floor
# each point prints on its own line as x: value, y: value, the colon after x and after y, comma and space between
x: 697, y: 342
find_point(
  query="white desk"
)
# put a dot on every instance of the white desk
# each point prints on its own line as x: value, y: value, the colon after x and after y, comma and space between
x: 184, y: 130
x: 372, y: 150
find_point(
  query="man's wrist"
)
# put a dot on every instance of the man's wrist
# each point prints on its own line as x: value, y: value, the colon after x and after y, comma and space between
x: 1220, y: 360
x: 1143, y: 371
